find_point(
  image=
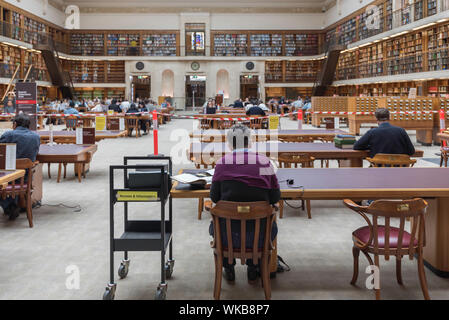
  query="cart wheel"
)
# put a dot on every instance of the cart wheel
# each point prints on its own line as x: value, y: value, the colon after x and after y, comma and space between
x: 109, y: 293
x: 161, y: 292
x: 169, y: 266
x: 123, y: 269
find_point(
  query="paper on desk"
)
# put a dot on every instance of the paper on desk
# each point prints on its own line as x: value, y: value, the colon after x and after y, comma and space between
x: 188, y: 178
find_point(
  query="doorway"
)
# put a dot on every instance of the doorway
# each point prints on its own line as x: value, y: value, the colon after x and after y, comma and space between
x: 141, y: 87
x: 249, y: 87
x: 195, y: 90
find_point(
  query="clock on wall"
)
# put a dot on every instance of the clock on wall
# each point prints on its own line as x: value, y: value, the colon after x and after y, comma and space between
x: 249, y: 65
x: 195, y: 66
x: 140, y: 65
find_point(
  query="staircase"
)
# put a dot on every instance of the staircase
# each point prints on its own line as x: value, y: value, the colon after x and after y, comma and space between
x: 327, y: 74
x: 59, y: 77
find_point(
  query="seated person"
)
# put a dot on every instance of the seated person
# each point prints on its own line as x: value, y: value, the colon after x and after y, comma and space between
x: 238, y: 178
x: 255, y: 111
x: 132, y: 109
x: 9, y: 107
x: 27, y: 146
x: 211, y: 108
x: 115, y: 107
x: 263, y: 106
x: 386, y: 138
x: 71, y: 109
x: 238, y: 103
x: 144, y: 122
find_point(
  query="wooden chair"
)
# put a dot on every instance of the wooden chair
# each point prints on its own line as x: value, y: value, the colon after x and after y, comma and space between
x: 226, y: 124
x: 389, y: 241
x: 206, y: 124
x: 202, y: 204
x: 242, y: 211
x: 23, y: 189
x: 391, y: 160
x: 132, y: 123
x: 289, y: 160
x: 255, y: 123
x: 444, y: 156
x: 71, y: 123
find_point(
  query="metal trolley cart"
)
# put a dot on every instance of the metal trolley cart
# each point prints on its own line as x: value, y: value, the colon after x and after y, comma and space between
x: 153, y: 185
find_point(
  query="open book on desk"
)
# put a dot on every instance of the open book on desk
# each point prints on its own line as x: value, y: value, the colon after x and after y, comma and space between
x: 200, y: 178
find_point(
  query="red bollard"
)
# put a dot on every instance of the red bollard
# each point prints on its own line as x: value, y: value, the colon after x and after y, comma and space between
x: 300, y: 118
x: 155, y: 138
x: 443, y: 125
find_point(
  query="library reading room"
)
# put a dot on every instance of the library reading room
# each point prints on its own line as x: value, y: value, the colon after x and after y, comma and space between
x: 209, y: 150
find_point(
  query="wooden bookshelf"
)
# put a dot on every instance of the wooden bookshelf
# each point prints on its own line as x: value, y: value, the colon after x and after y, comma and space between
x: 292, y: 71
x: 414, y: 52
x: 266, y: 44
x: 100, y: 93
x: 87, y: 44
x: 121, y: 44
x: 234, y: 44
x: 274, y: 71
x: 160, y: 44
x: 301, y: 44
x: 95, y: 71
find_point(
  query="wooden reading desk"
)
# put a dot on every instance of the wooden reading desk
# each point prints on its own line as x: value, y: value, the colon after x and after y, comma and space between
x: 200, y: 153
x: 70, y: 136
x: 371, y: 183
x: 269, y: 135
x: 79, y: 155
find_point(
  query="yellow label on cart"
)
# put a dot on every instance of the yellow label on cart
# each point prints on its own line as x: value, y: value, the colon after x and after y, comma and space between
x: 136, y: 195
x: 274, y: 122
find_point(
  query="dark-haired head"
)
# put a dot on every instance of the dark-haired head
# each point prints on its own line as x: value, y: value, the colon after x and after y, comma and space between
x: 72, y: 104
x: 21, y: 120
x: 382, y: 114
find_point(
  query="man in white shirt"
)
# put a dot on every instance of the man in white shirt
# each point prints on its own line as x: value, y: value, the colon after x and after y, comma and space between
x: 124, y: 106
x: 263, y: 106
x: 97, y: 108
x: 298, y: 104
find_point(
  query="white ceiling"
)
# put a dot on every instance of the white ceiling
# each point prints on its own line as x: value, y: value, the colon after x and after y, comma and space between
x: 202, y: 5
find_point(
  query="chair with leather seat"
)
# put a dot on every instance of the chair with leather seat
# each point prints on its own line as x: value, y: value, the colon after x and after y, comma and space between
x: 71, y: 123
x: 391, y: 160
x: 132, y: 123
x: 386, y: 240
x: 444, y: 156
x: 292, y: 160
x: 255, y: 123
x: 243, y: 211
x: 22, y: 188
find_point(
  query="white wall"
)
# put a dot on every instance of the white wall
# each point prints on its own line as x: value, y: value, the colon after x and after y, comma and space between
x: 268, y: 21
x: 134, y: 21
x: 344, y: 9
x: 169, y: 21
x: 36, y: 7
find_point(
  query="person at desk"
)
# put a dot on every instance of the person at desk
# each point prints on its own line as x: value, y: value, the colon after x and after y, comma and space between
x: 255, y: 111
x: 71, y: 109
x: 238, y: 103
x: 243, y: 176
x: 27, y: 146
x: 115, y: 107
x: 211, y: 108
x: 144, y: 122
x: 386, y: 138
x: 9, y: 107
